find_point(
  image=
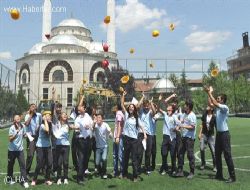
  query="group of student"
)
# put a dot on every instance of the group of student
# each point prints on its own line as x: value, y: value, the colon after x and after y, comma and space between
x: 134, y: 134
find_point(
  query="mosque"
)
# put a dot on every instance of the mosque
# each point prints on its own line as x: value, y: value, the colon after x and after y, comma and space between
x: 66, y: 56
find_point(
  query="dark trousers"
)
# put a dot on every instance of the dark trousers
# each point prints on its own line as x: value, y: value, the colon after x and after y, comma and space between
x: 31, y: 148
x: 62, y: 153
x: 178, y: 144
x: 74, y: 150
x: 168, y: 146
x: 54, y: 154
x: 148, y: 152
x: 140, y: 150
x: 44, y: 156
x: 222, y: 144
x: 12, y: 155
x: 130, y: 146
x: 154, y: 150
x: 187, y: 144
x: 92, y: 147
x: 82, y: 151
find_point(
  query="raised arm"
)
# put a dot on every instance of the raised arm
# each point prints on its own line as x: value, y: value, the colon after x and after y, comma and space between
x: 209, y: 91
x: 82, y: 100
x: 152, y: 106
x: 169, y: 98
x: 122, y: 101
x: 141, y: 100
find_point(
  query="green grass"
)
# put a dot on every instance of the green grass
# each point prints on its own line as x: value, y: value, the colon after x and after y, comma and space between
x: 240, y: 132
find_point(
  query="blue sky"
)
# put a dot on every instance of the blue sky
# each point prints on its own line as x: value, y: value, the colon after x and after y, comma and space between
x: 204, y: 28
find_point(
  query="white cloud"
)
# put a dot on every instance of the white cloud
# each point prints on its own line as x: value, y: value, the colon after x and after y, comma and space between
x: 5, y: 55
x: 135, y: 14
x: 201, y: 41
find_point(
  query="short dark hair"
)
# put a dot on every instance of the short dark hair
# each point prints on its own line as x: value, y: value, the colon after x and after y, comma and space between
x: 100, y: 114
x: 58, y: 105
x: 189, y: 104
x: 223, y: 98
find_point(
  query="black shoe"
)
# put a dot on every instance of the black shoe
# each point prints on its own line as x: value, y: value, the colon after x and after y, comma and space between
x: 231, y: 180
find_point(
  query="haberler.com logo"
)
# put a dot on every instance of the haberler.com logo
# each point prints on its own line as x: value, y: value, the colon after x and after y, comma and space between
x: 15, y: 179
x: 34, y: 9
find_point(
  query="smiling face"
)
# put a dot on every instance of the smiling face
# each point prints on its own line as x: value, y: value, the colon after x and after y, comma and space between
x: 64, y: 117
x: 99, y: 119
x: 131, y: 108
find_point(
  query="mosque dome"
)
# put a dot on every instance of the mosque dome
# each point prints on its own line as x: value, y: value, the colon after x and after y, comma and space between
x: 64, y: 39
x: 37, y: 48
x: 71, y: 22
x: 163, y: 85
x: 95, y: 47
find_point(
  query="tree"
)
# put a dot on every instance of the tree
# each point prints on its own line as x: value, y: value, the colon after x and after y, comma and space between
x: 183, y: 90
x: 174, y: 79
x: 21, y: 102
x: 114, y: 81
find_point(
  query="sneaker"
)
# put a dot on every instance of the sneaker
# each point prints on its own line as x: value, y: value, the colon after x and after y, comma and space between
x: 190, y: 176
x: 96, y: 170
x: 202, y: 167
x: 87, y: 171
x: 48, y: 182
x: 66, y: 182
x: 33, y: 183
x: 214, y: 169
x: 59, y: 182
x: 105, y: 176
x: 180, y: 174
x: 135, y: 180
x: 163, y: 172
x: 26, y: 185
x: 148, y: 172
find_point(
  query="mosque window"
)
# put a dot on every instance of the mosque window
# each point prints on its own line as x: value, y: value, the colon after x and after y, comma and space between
x: 53, y: 64
x: 100, y: 77
x: 58, y: 75
x: 69, y: 96
x: 24, y: 78
x: 45, y: 93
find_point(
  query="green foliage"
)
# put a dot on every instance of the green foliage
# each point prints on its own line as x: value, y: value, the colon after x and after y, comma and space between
x: 174, y: 79
x: 114, y: 82
x: 21, y: 102
x: 182, y: 89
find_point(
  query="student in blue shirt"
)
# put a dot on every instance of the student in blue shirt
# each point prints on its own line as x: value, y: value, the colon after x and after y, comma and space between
x: 130, y: 137
x: 32, y: 121
x: 43, y: 149
x: 169, y: 138
x: 102, y: 132
x: 146, y: 114
x: 15, y: 150
x: 188, y: 128
x: 222, y: 140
